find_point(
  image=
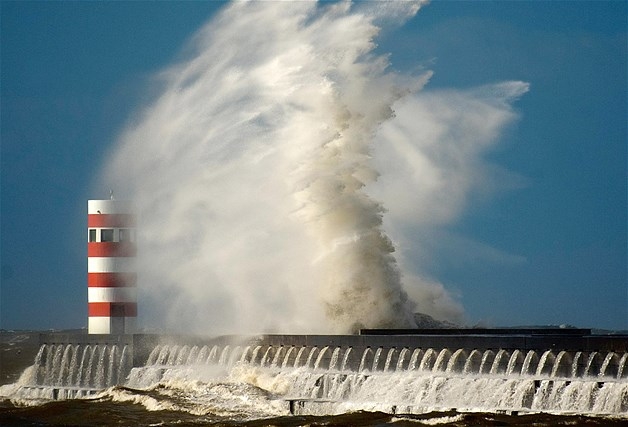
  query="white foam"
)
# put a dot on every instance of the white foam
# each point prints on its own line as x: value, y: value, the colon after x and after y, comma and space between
x: 199, y: 390
x: 117, y: 394
x: 434, y: 421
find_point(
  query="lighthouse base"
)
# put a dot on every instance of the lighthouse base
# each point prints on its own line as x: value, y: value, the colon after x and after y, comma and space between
x: 111, y: 325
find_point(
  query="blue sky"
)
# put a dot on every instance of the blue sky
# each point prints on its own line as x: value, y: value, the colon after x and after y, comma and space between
x: 73, y: 73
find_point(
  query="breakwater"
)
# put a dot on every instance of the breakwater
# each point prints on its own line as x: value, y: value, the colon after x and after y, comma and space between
x: 140, y: 346
x: 409, y: 371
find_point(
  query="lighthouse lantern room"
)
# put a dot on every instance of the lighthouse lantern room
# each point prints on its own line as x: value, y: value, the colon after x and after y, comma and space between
x: 111, y: 275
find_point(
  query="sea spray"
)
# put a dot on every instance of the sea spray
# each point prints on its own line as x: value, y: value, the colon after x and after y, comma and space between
x: 448, y: 382
x: 249, y: 170
x: 254, y: 173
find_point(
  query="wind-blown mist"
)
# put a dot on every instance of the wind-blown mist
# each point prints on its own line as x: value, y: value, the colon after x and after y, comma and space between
x: 255, y: 172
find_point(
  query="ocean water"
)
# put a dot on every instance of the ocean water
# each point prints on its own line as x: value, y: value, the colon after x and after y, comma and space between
x: 169, y: 406
x: 294, y: 386
x: 105, y: 412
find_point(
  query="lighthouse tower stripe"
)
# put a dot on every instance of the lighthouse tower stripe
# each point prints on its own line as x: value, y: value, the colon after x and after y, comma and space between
x: 111, y: 276
x: 110, y: 265
x: 110, y: 220
x: 106, y: 249
x: 111, y: 280
x: 112, y: 294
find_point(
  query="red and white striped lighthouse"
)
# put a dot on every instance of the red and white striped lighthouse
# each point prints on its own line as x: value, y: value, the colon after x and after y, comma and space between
x: 111, y: 275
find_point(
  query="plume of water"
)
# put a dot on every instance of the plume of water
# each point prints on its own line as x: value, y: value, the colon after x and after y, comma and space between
x: 320, y: 356
x: 345, y: 358
x: 401, y: 359
x: 277, y: 357
x: 287, y: 358
x: 391, y: 353
x: 334, y: 359
x: 252, y: 170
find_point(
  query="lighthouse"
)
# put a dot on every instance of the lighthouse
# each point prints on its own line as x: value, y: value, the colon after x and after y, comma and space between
x: 111, y: 275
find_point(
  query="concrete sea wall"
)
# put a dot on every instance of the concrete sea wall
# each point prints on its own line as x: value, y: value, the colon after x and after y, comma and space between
x: 570, y: 340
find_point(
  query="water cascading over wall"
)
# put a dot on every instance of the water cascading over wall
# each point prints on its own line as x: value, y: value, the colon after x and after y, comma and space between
x: 331, y: 379
x: 334, y: 374
x: 66, y: 371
